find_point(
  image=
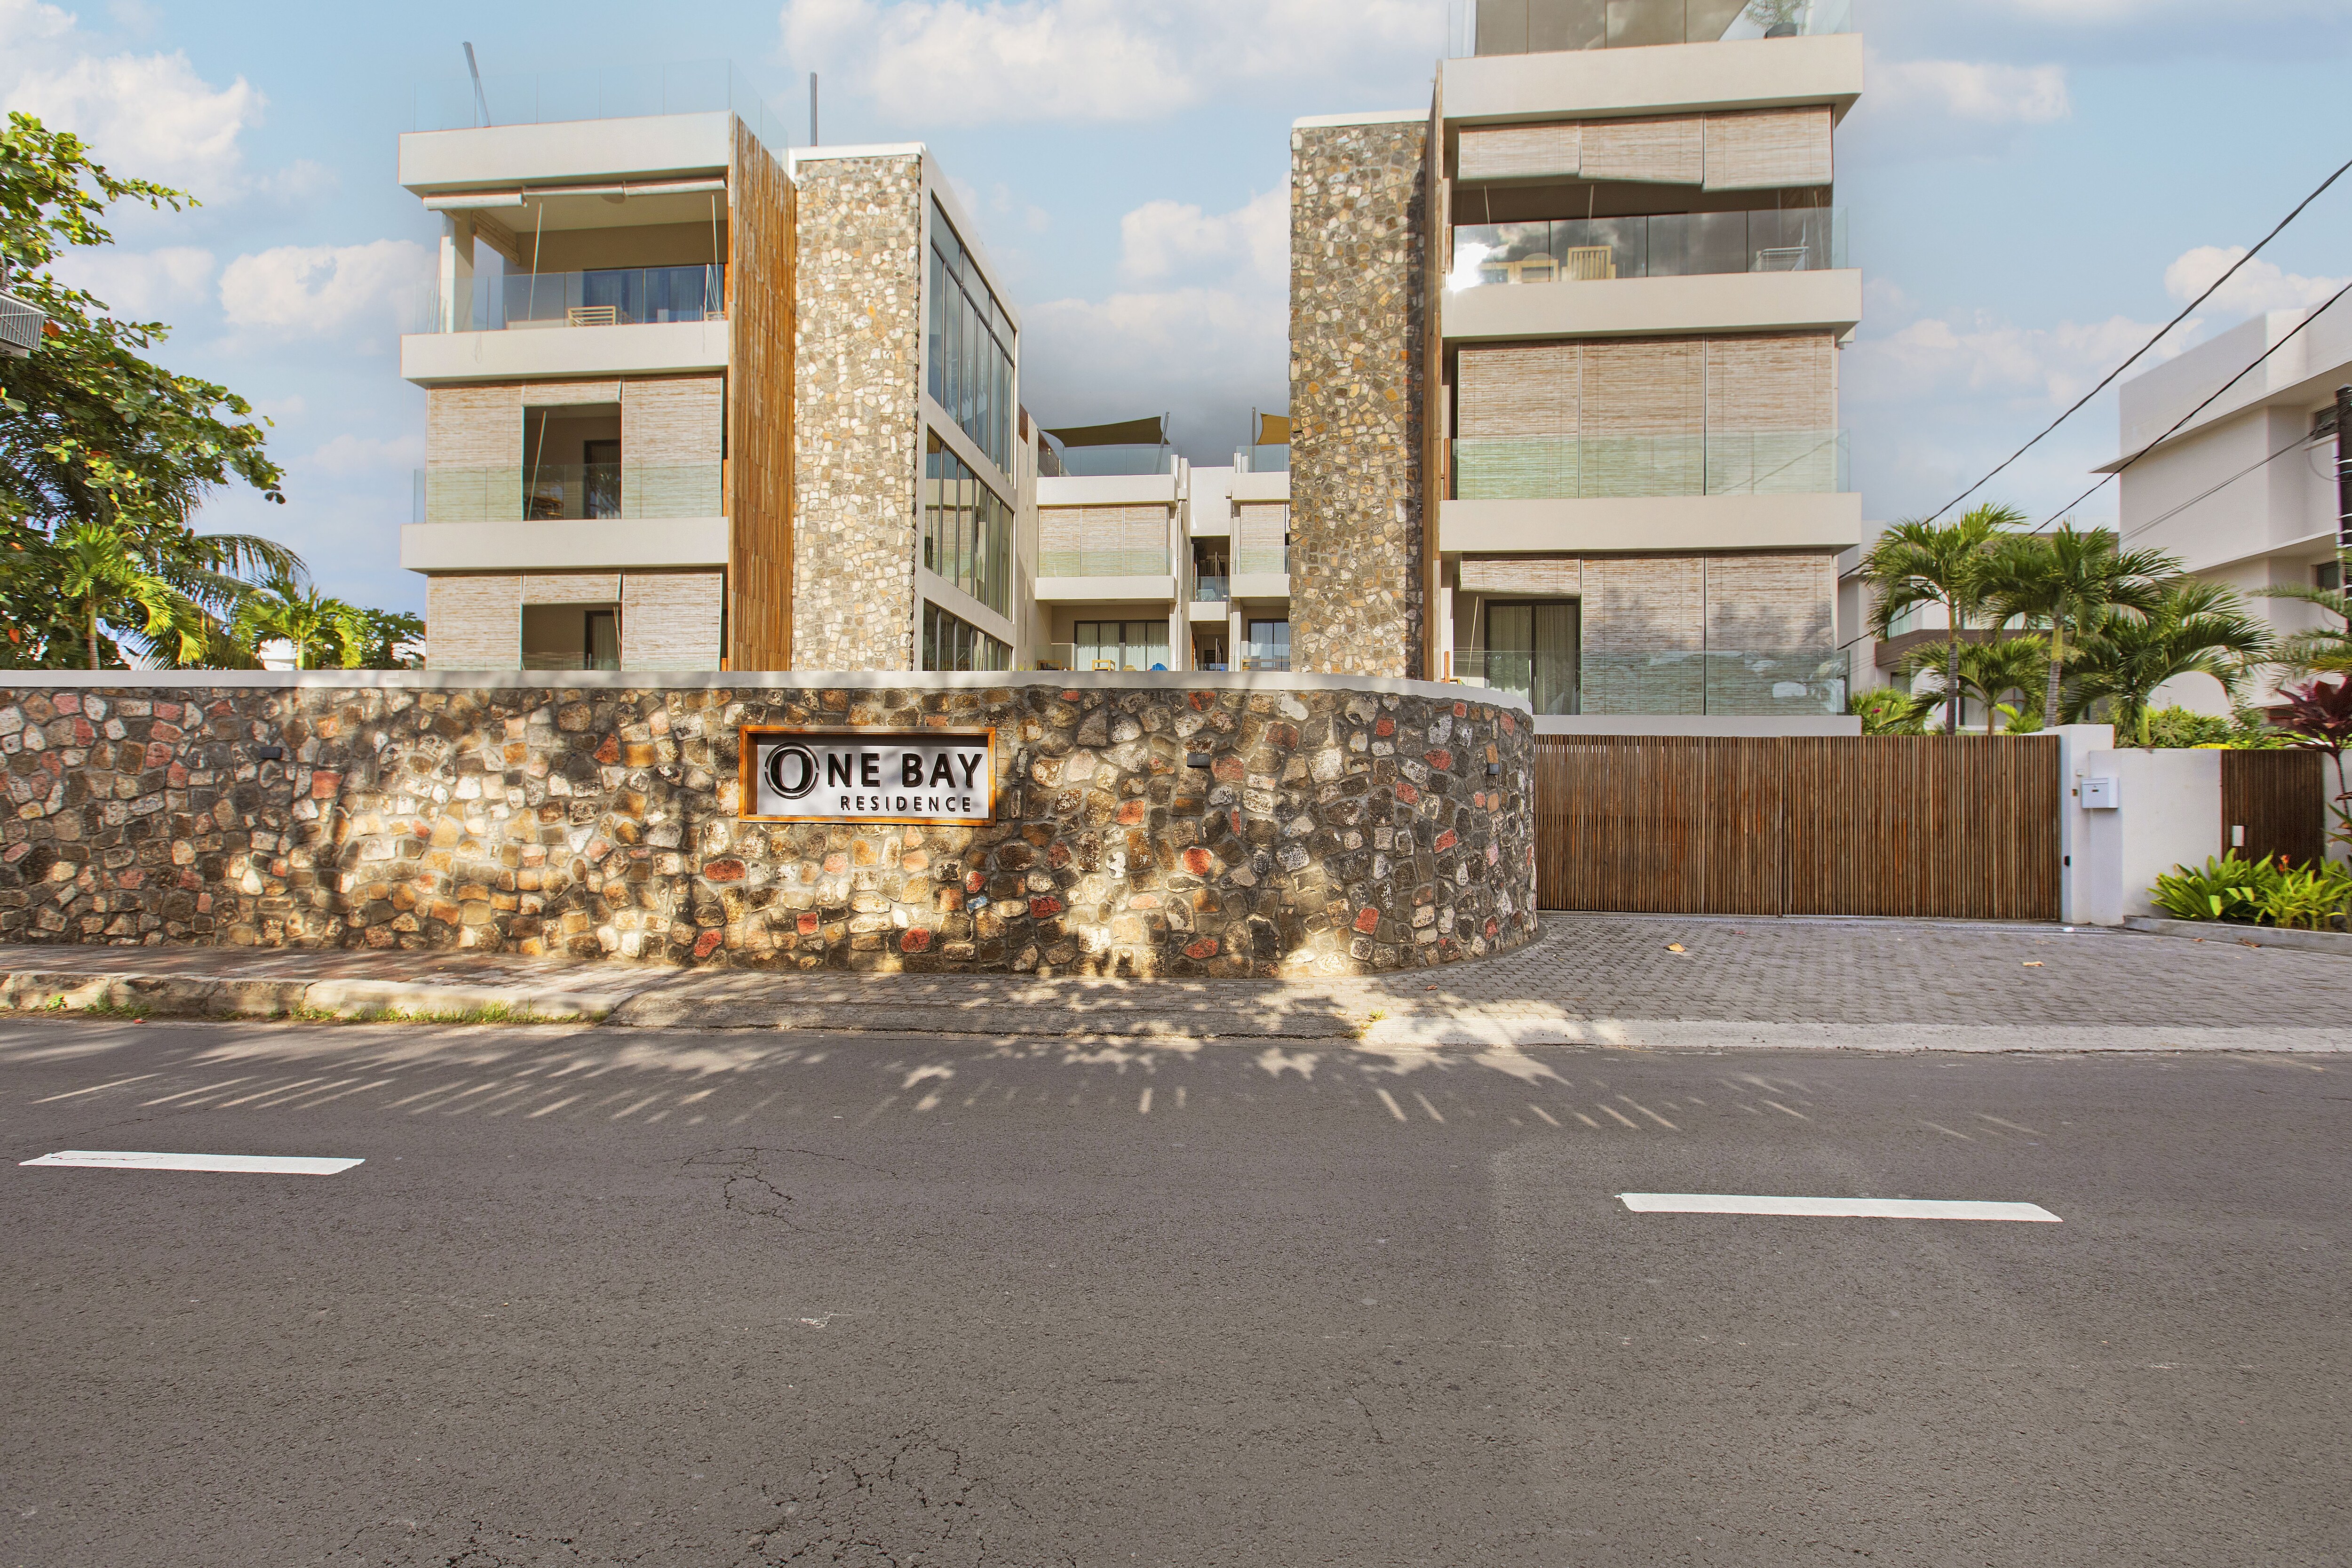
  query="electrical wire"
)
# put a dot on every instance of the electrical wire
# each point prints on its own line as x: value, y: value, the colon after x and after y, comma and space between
x: 2200, y: 408
x: 2299, y: 442
x: 2109, y: 378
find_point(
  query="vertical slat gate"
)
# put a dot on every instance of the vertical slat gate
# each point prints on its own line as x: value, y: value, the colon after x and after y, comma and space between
x: 2280, y: 799
x: 1954, y: 826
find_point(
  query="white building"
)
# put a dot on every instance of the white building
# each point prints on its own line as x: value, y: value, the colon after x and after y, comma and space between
x: 2244, y: 492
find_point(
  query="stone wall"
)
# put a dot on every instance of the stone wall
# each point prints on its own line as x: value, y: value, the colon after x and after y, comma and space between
x: 1358, y: 311
x: 857, y: 331
x: 1338, y: 826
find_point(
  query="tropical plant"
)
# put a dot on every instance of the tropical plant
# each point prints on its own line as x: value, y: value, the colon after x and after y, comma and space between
x: 2229, y: 889
x: 2318, y: 718
x: 318, y: 626
x: 2194, y: 627
x: 94, y: 436
x: 1916, y: 562
x: 2315, y: 651
x: 2311, y: 897
x: 1889, y: 710
x: 1990, y: 670
x: 2064, y: 580
x: 2176, y: 727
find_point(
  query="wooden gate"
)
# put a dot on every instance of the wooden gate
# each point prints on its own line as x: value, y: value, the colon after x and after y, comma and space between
x: 1960, y: 826
x: 2279, y: 799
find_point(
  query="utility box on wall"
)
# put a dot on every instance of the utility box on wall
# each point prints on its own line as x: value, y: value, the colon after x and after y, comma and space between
x: 2100, y: 795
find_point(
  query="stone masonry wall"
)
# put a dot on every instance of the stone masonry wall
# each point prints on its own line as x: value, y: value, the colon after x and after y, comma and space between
x: 857, y: 332
x: 1358, y: 235
x: 1335, y: 828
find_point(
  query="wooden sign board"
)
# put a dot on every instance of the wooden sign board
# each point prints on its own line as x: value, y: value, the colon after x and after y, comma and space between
x: 929, y: 776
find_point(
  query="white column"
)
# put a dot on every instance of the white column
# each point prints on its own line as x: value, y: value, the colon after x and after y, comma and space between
x: 457, y: 278
x: 2078, y: 886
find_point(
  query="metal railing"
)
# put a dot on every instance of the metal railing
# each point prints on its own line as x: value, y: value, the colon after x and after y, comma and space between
x: 600, y: 297
x: 1543, y: 27
x: 1714, y: 463
x: 554, y: 492
x: 1668, y: 245
x: 616, y: 92
x: 1093, y: 560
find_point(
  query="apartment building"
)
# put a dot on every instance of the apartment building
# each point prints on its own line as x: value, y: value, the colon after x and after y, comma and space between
x: 696, y: 401
x: 1183, y: 567
x: 1564, y: 352
x: 2244, y: 491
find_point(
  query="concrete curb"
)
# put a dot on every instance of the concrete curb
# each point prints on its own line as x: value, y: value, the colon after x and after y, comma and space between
x: 194, y: 996
x: 2335, y: 942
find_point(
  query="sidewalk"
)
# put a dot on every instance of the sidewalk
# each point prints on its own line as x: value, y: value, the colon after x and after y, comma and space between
x: 1667, y: 981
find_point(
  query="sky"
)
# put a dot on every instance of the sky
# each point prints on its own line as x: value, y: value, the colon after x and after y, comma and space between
x: 2033, y: 188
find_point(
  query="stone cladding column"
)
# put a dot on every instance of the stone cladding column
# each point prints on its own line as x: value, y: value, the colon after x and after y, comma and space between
x: 858, y: 331
x: 1358, y: 234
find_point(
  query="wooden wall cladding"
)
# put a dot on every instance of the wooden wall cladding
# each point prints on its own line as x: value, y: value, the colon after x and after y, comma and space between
x: 1960, y: 826
x: 2280, y: 798
x: 759, y: 483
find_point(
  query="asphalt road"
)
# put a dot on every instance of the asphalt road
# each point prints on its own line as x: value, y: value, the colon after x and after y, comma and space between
x: 677, y: 1299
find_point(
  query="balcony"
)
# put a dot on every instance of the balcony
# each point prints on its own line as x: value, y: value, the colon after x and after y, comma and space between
x: 618, y: 92
x: 1212, y: 590
x: 1574, y: 467
x: 1670, y: 245
x: 555, y: 492
x: 606, y: 297
x: 1723, y: 682
x: 1478, y: 28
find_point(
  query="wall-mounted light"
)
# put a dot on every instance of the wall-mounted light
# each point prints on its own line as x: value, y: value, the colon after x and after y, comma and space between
x: 1196, y: 759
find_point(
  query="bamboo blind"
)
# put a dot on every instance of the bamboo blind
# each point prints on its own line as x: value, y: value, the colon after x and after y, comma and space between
x: 1520, y: 152
x: 1656, y: 150
x: 1531, y: 390
x: 1771, y: 603
x: 1525, y: 576
x: 1779, y: 383
x: 1768, y: 147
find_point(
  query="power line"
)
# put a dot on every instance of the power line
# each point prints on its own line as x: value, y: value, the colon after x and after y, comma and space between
x: 2200, y: 408
x: 2299, y: 442
x: 2109, y: 378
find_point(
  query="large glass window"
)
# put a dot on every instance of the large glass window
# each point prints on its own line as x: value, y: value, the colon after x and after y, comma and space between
x: 1531, y: 649
x: 1119, y: 645
x: 971, y: 346
x: 950, y: 642
x: 1268, y: 646
x: 967, y: 528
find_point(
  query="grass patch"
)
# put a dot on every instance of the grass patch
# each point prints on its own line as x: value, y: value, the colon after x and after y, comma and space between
x: 490, y: 1013
x: 137, y: 1010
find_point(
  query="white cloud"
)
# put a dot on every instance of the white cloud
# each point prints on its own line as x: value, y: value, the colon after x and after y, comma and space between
x: 141, y: 284
x: 2259, y: 285
x: 1934, y: 357
x: 970, y: 61
x: 1164, y: 236
x: 1974, y: 91
x: 321, y: 290
x: 1204, y: 355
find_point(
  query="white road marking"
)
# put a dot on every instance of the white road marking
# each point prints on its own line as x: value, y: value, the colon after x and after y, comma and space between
x: 254, y: 1165
x: 1833, y: 1208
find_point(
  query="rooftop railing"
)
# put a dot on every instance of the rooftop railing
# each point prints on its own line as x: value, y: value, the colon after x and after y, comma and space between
x: 1545, y: 26
x: 1103, y: 462
x: 601, y: 297
x: 613, y: 92
x: 1671, y: 245
x: 1714, y: 463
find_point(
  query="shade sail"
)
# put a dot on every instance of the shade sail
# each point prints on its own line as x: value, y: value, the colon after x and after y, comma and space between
x: 1151, y: 432
x: 1272, y: 430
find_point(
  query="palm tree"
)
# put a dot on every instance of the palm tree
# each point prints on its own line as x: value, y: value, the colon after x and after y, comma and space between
x: 1888, y: 711
x: 2194, y: 627
x: 2065, y: 581
x: 2017, y: 663
x: 2317, y: 650
x: 318, y: 625
x: 1918, y: 563
x: 101, y: 574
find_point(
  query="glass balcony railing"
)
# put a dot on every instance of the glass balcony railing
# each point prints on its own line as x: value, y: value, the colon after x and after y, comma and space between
x: 1111, y: 462
x: 618, y: 92
x: 1671, y: 245
x: 1544, y: 26
x: 1274, y: 657
x: 1783, y: 681
x: 555, y: 492
x: 1137, y: 658
x: 1260, y: 562
x: 1089, y: 561
x: 1212, y: 590
x: 605, y: 297
x: 1571, y: 467
x: 1263, y: 460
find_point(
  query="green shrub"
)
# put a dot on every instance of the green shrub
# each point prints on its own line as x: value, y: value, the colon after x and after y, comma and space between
x: 2173, y: 727
x: 2226, y: 889
x: 2310, y: 897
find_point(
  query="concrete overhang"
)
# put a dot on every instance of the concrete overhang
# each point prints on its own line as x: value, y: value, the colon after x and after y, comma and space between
x: 572, y: 151
x: 1208, y: 612
x: 1106, y: 489
x: 650, y: 348
x: 1261, y: 585
x: 1649, y: 524
x: 573, y: 545
x: 1262, y: 486
x: 1661, y: 79
x: 1655, y: 307
x: 1110, y: 590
